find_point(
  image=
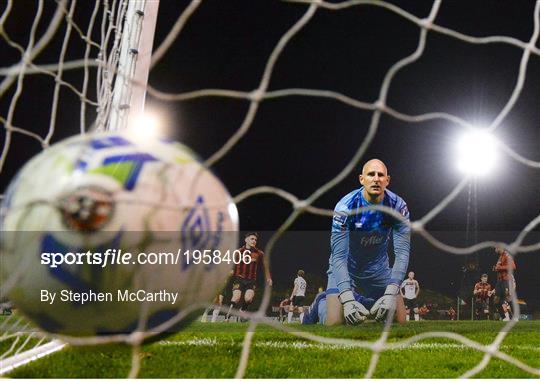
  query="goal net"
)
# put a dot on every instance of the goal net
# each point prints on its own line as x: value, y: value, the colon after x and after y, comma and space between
x: 70, y: 67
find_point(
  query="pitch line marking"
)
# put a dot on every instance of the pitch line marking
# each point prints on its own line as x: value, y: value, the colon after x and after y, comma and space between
x: 210, y: 342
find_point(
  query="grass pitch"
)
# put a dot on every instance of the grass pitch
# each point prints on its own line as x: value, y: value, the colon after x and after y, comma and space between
x: 212, y: 350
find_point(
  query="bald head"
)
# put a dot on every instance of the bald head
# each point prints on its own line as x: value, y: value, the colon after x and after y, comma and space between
x: 374, y: 162
x: 375, y: 179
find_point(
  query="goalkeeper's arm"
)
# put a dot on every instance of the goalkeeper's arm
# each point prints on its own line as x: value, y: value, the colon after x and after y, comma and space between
x: 353, y: 311
x: 402, y: 246
x: 339, y: 242
x: 402, y: 243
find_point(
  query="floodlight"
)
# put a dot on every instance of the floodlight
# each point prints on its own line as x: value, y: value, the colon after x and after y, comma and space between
x: 477, y: 153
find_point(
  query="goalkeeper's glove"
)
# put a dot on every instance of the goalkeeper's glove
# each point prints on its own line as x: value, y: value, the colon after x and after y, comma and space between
x: 354, y: 312
x: 386, y: 303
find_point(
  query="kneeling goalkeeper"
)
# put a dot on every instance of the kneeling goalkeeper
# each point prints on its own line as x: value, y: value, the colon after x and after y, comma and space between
x: 359, y: 258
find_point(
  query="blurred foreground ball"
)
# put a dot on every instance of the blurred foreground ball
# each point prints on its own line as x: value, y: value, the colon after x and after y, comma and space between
x: 75, y: 210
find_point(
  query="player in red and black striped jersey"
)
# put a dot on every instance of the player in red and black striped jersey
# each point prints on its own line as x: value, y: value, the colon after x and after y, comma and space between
x: 245, y: 274
x: 505, y: 288
x: 248, y: 271
x: 482, y: 292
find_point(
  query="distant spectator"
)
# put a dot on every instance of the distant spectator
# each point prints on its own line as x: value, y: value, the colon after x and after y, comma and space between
x: 507, y: 311
x: 283, y: 307
x: 423, y: 311
x: 451, y: 313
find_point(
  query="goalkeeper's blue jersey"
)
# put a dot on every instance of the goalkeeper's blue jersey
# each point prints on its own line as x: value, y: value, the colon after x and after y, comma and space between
x: 359, y: 241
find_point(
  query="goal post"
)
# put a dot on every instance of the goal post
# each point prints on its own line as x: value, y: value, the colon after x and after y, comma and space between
x: 134, y: 63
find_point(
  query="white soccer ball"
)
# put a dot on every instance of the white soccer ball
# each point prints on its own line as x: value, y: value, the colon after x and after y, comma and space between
x: 112, y: 191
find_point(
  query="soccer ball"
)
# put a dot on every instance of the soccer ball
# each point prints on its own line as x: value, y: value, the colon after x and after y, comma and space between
x: 73, y: 212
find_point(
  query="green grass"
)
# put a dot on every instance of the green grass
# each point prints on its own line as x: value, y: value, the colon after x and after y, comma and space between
x: 213, y: 351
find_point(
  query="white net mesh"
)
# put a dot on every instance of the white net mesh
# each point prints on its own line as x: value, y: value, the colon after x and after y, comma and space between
x: 84, y: 40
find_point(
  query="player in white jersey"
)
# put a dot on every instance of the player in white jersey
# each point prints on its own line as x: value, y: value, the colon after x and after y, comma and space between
x: 297, y: 296
x: 410, y: 289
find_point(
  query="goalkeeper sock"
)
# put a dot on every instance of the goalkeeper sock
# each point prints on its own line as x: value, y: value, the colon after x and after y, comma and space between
x: 301, y: 317
x: 407, y: 317
x: 289, y: 317
x: 416, y: 317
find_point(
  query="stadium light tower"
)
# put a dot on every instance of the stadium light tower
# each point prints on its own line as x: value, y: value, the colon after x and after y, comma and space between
x: 477, y: 153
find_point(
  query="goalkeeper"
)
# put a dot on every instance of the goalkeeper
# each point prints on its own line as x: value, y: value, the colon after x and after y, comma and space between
x: 359, y: 258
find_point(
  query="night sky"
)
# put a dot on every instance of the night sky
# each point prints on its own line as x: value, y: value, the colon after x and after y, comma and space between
x: 300, y: 143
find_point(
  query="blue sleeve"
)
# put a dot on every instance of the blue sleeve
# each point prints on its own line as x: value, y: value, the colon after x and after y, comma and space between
x: 402, y: 244
x: 339, y: 243
x: 312, y: 316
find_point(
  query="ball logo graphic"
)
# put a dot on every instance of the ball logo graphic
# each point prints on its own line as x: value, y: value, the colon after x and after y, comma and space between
x: 90, y: 215
x: 87, y: 209
x: 196, y: 226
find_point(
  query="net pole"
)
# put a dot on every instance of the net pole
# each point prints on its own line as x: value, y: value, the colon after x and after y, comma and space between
x: 134, y: 62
